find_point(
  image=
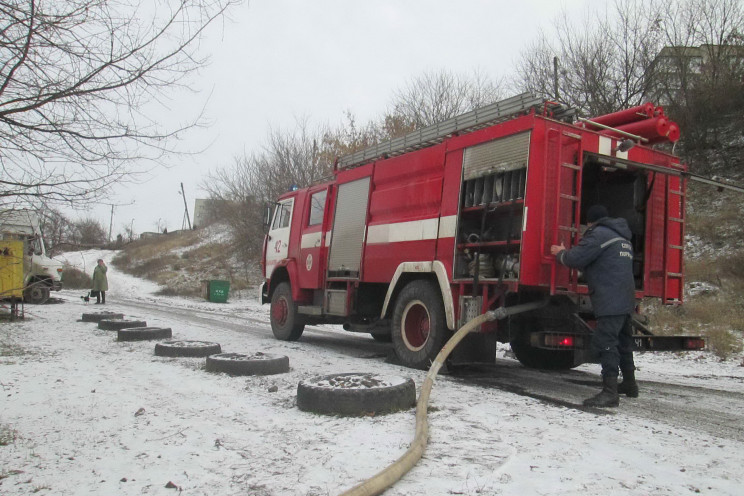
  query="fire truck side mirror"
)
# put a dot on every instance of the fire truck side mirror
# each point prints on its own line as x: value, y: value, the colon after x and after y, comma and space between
x: 267, y: 216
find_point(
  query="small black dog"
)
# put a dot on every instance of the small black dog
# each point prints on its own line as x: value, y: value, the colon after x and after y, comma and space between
x: 86, y: 298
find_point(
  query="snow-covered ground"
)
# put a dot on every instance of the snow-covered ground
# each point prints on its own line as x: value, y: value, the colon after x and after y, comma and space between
x: 85, y: 414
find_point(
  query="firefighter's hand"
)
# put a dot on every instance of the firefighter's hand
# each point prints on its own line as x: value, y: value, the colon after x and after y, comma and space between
x: 556, y: 249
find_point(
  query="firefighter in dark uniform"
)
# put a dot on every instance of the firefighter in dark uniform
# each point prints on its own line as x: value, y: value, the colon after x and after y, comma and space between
x: 605, y: 255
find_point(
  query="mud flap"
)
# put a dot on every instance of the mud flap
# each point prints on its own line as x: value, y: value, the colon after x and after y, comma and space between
x: 475, y: 348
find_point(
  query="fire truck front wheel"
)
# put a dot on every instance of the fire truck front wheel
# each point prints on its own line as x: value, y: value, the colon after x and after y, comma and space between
x: 286, y: 324
x: 419, y: 324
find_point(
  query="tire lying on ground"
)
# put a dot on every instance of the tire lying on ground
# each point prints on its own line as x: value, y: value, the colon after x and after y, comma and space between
x: 144, y: 333
x: 99, y: 316
x: 356, y: 394
x: 177, y: 348
x: 116, y: 324
x: 248, y: 364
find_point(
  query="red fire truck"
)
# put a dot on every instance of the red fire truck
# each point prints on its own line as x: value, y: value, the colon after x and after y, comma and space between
x: 414, y: 237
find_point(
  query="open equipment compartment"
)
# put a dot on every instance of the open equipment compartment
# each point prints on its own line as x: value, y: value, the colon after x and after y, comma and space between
x: 624, y: 193
x: 491, y: 211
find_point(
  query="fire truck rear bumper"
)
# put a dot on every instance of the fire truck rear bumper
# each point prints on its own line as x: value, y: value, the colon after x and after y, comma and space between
x: 668, y: 343
x: 642, y: 342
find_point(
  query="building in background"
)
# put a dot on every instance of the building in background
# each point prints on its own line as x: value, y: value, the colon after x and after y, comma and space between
x: 677, y: 70
x: 207, y: 210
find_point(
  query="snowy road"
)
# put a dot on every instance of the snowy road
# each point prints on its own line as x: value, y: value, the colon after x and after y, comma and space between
x: 84, y: 414
x: 709, y: 410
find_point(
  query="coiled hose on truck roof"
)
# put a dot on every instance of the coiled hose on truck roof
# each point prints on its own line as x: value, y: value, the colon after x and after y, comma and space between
x: 389, y: 476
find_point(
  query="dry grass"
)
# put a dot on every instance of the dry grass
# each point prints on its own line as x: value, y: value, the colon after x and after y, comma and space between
x: 718, y: 315
x: 73, y: 278
x: 150, y: 247
x: 7, y: 436
x: 710, y: 317
x: 717, y: 220
x: 180, y: 262
x: 718, y: 227
x: 8, y: 348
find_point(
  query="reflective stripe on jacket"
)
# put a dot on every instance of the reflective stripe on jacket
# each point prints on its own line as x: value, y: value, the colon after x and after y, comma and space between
x: 605, y: 255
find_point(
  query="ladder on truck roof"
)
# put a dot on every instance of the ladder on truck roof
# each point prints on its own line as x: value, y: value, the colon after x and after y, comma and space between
x: 465, y: 123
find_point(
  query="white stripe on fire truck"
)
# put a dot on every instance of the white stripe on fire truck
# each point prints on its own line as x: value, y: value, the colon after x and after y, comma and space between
x: 415, y: 230
x: 447, y: 226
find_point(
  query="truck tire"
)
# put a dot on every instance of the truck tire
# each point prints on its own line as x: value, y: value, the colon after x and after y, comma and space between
x: 286, y: 323
x: 116, y: 324
x: 143, y: 333
x: 99, y: 316
x: 537, y: 358
x: 419, y: 326
x: 195, y: 349
x: 248, y: 364
x: 355, y: 394
x: 37, y: 294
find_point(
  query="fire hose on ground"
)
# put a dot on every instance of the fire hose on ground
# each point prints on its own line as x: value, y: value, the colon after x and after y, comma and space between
x: 390, y: 475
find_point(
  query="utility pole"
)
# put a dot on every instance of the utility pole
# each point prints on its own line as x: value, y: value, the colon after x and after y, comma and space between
x: 111, y: 223
x: 186, y: 206
x: 111, y: 220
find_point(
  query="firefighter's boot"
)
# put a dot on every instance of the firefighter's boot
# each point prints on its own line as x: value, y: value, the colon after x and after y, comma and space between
x: 608, y: 396
x: 629, y: 386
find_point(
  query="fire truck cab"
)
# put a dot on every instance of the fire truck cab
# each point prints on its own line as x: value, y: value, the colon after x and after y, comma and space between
x: 414, y: 237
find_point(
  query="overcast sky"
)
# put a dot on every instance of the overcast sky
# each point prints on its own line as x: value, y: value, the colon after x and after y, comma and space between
x: 276, y: 61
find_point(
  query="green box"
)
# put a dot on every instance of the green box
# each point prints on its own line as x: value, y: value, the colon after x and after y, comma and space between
x: 218, y: 291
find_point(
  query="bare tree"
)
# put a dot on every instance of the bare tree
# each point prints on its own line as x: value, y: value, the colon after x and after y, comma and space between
x: 436, y: 96
x: 296, y: 158
x: 89, y: 232
x: 128, y: 232
x: 234, y: 202
x: 56, y: 228
x: 80, y: 84
x: 687, y: 55
x: 161, y: 225
x: 699, y: 75
x: 602, y: 62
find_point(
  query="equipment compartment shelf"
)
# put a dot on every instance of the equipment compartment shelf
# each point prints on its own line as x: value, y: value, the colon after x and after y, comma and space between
x: 494, y: 207
x: 490, y: 244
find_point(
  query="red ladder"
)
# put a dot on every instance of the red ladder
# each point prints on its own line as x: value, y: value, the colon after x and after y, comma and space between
x: 674, y: 240
x: 568, y: 219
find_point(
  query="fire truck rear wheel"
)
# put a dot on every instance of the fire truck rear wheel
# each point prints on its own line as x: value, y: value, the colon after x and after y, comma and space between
x: 286, y: 324
x: 419, y: 324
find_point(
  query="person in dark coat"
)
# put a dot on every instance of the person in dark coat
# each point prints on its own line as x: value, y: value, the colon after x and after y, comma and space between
x: 100, y: 282
x: 605, y: 255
